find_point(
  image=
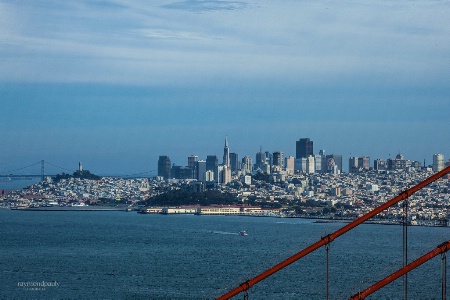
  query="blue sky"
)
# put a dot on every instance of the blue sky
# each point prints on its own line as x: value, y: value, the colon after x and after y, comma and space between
x: 115, y: 84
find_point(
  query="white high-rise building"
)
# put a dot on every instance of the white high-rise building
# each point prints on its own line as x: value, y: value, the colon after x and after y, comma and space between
x: 225, y: 174
x: 226, y: 154
x: 289, y: 165
x: 438, y: 162
x: 318, y: 162
x: 209, y: 176
x: 310, y: 164
x: 246, y: 165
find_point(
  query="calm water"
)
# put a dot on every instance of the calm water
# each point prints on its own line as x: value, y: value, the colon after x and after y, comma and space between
x: 118, y: 255
x: 17, y: 184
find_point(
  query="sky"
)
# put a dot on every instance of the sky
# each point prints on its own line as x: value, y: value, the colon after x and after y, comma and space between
x: 116, y: 84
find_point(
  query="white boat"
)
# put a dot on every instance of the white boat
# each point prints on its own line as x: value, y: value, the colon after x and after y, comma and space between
x: 243, y: 233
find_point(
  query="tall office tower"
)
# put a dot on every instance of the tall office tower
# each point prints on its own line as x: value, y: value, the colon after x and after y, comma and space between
x: 438, y: 162
x: 212, y: 163
x: 289, y: 163
x: 364, y: 162
x: 300, y: 165
x: 310, y: 165
x: 224, y: 174
x: 234, y: 162
x: 303, y: 148
x: 192, y: 159
x: 260, y: 159
x: 201, y: 170
x: 192, y: 163
x: 278, y: 159
x: 164, y: 166
x: 399, y: 163
x: 318, y: 163
x: 358, y: 164
x: 226, y: 154
x: 209, y: 176
x: 332, y: 160
x: 353, y: 165
x: 180, y: 172
x: 218, y: 177
x: 247, y: 165
x: 269, y: 158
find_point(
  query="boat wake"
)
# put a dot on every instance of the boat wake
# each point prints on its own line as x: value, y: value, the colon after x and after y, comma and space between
x: 224, y: 232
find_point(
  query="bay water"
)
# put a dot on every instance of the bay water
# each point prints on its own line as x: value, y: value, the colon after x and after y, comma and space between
x: 8, y: 184
x: 120, y: 255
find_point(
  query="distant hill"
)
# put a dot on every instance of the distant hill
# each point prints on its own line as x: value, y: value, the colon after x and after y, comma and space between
x: 85, y: 174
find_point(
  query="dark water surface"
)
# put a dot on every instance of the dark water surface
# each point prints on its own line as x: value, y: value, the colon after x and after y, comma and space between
x: 119, y: 255
x: 7, y: 184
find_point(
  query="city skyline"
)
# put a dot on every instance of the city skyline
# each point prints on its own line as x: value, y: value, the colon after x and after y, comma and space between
x: 184, y: 159
x: 276, y: 161
x: 116, y: 84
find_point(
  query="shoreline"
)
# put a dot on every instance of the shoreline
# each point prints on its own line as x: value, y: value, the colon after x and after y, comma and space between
x: 70, y: 209
x: 315, y: 220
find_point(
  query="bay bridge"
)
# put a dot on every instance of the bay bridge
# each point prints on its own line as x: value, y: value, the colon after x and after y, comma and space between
x: 42, y: 169
x: 325, y: 241
x: 36, y: 169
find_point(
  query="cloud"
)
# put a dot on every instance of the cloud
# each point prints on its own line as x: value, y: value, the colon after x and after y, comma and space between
x: 292, y: 42
x: 206, y: 5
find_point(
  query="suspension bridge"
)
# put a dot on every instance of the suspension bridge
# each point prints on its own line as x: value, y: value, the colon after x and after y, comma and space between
x: 42, y: 169
x: 37, y: 169
x: 325, y: 241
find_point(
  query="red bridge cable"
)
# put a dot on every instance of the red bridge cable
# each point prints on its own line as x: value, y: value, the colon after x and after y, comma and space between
x: 329, y: 238
x: 442, y: 248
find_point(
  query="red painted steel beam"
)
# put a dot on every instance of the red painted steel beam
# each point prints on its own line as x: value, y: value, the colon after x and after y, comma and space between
x: 444, y: 247
x: 329, y: 238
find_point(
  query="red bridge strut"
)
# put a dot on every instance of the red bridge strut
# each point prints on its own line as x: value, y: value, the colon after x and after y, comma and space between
x: 329, y: 238
x: 442, y: 248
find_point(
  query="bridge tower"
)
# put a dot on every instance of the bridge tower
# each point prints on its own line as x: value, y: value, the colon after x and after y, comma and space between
x: 42, y: 170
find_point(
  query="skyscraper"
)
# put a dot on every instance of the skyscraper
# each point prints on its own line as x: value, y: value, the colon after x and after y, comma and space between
x: 180, y: 172
x: 192, y: 163
x: 364, y: 162
x: 438, y: 162
x: 289, y: 163
x: 212, y: 164
x: 226, y: 154
x: 260, y: 159
x: 164, y: 166
x: 234, y: 162
x: 278, y: 159
x: 201, y: 170
x: 247, y: 165
x: 332, y: 161
x: 269, y: 158
x: 358, y: 164
x: 353, y: 165
x: 380, y: 165
x: 303, y: 148
x: 310, y: 164
x: 191, y: 160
